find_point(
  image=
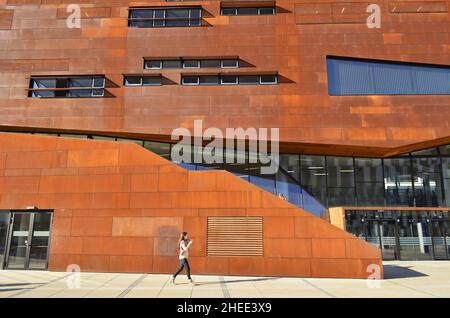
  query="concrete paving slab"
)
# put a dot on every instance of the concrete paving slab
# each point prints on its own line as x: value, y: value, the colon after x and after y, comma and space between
x: 402, y: 279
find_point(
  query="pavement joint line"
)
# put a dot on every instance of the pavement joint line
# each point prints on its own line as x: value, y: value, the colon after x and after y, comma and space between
x: 43, y: 285
x: 162, y: 288
x: 223, y: 285
x: 132, y: 286
x: 415, y: 289
x: 102, y: 285
x: 319, y: 288
x: 89, y: 276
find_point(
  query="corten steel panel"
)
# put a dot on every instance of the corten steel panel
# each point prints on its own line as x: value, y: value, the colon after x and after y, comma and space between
x: 39, y: 43
x: 133, y: 226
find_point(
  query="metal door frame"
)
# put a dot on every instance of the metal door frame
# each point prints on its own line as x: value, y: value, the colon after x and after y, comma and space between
x: 2, y: 265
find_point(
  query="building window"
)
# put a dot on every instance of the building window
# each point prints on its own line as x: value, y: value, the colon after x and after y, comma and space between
x: 191, y: 63
x: 248, y: 11
x: 347, y: 76
x: 68, y: 87
x: 229, y: 79
x: 136, y: 80
x: 164, y: 17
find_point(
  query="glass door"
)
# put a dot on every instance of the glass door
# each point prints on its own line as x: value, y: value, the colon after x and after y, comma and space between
x: 19, y: 241
x: 389, y: 238
x: 440, y: 236
x: 4, y: 225
x: 28, y: 240
x: 40, y: 241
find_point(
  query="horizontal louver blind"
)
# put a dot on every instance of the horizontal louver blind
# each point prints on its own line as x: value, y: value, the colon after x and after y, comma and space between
x: 235, y: 236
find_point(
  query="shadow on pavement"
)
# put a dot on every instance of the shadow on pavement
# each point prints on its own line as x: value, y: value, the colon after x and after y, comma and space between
x: 395, y: 271
x: 238, y: 281
x: 19, y: 284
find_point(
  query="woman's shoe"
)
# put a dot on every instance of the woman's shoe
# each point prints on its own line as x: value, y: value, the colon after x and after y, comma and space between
x: 191, y: 282
x: 173, y: 280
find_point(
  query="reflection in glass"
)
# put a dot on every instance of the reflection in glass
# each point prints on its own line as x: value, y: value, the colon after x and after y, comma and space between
x: 398, y: 182
x: 19, y: 241
x: 40, y: 240
x: 368, y: 170
x: 340, y: 172
x: 370, y: 194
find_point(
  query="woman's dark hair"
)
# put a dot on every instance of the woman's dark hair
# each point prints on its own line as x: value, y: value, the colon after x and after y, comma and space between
x: 182, y: 235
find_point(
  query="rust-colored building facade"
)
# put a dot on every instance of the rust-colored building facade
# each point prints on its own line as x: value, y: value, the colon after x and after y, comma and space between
x: 341, y: 90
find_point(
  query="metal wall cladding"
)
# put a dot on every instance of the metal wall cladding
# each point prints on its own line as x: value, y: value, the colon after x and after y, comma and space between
x: 35, y: 40
x: 235, y: 236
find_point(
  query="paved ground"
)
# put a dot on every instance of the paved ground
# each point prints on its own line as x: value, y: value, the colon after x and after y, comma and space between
x: 403, y: 279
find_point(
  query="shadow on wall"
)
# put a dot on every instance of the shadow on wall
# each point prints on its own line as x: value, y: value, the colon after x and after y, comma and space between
x: 396, y: 271
x: 166, y: 241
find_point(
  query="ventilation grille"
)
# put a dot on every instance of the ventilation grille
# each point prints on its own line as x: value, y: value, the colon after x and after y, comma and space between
x: 235, y: 236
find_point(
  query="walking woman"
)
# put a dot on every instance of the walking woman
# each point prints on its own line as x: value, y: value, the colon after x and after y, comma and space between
x: 184, y: 243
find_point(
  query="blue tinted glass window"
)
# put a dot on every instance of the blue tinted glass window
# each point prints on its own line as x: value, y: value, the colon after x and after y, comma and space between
x: 348, y: 76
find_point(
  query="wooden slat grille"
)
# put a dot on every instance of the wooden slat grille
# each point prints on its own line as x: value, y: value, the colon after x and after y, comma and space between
x: 235, y: 236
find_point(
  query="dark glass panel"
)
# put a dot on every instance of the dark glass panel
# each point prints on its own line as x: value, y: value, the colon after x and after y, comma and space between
x: 368, y: 170
x: 153, y: 64
x: 269, y: 79
x: 133, y: 80
x: 341, y: 197
x: 228, y: 11
x: 247, y: 11
x: 266, y: 11
x: 229, y: 79
x: 190, y: 80
x: 171, y: 64
x: 151, y: 80
x: 249, y: 79
x: 209, y: 80
x: 141, y: 14
x: 398, y: 182
x: 370, y: 194
x: 210, y: 63
x: 191, y: 63
x: 230, y: 63
x: 340, y: 172
x: 427, y: 182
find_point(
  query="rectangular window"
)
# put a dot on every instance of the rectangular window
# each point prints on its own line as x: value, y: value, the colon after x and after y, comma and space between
x: 152, y: 65
x: 249, y: 79
x: 209, y: 80
x: 347, y: 76
x: 191, y: 64
x: 190, y: 80
x: 67, y: 87
x: 164, y: 17
x: 268, y: 79
x: 210, y: 63
x: 142, y: 80
x: 151, y: 81
x: 133, y: 81
x: 171, y: 64
x: 232, y: 63
x: 229, y: 80
x: 248, y: 11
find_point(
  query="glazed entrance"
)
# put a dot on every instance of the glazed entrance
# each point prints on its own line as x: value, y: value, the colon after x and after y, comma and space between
x: 403, y: 235
x: 25, y: 239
